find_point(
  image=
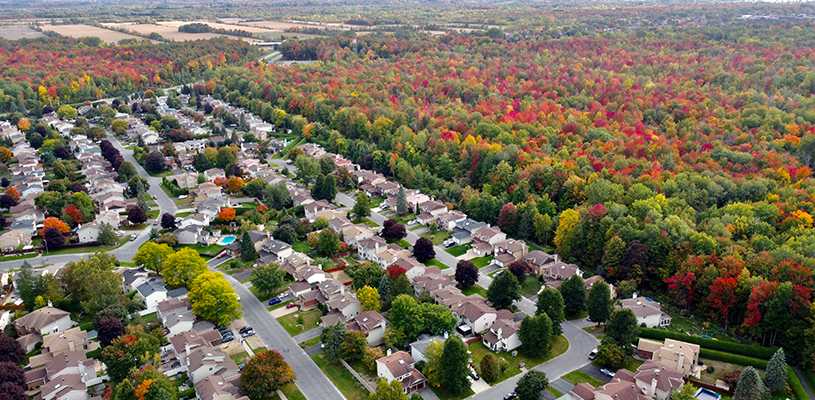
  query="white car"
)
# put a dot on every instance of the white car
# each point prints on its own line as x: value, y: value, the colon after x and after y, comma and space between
x: 182, y: 197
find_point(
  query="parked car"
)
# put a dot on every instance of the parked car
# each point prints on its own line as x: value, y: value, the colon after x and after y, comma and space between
x: 244, y: 329
x: 474, y: 375
x: 182, y: 197
x: 155, y: 222
x: 274, y: 301
x: 221, y: 328
x: 282, y: 295
x: 608, y: 372
x: 223, y: 253
x: 593, y: 354
x: 510, y: 396
x: 133, y: 237
x: 227, y: 339
x: 248, y: 333
x: 291, y: 305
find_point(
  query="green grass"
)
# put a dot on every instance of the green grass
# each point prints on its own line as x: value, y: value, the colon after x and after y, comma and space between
x: 279, y: 305
x: 184, y: 214
x: 530, y: 286
x: 581, y: 315
x: 148, y: 197
x: 417, y: 227
x: 161, y: 174
x: 184, y: 201
x: 310, y: 342
x: 632, y: 364
x: 264, y: 298
x: 94, y: 354
x: 809, y: 375
x: 554, y: 392
x: 292, y: 392
x: 22, y: 257
x: 370, y: 223
x: 481, y: 262
x: 475, y: 289
x: 456, y: 251
x: 577, y: 376
x: 342, y: 379
x: 438, y: 237
x: 443, y: 395
x: 301, y: 247
x: 404, y: 243
x: 239, y: 358
x: 376, y: 201
x: 436, y: 263
x: 478, y: 350
x: 311, y: 319
x: 152, y: 214
x: 211, y: 250
x: 150, y: 318
x: 92, y: 249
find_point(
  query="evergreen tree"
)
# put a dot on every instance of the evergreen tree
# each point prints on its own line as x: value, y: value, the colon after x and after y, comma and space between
x: 107, y: 236
x: 384, y: 288
x: 574, y: 295
x: 550, y: 301
x: 248, y: 251
x: 599, y: 303
x: 454, y: 360
x: 531, y: 385
x: 622, y: 329
x: 490, y: 370
x: 504, y: 290
x: 776, y: 376
x: 750, y: 386
x: 401, y: 201
x: 536, y: 335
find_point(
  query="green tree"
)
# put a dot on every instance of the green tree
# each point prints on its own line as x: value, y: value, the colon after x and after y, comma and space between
x: 611, y: 356
x: 182, y: 267
x: 454, y: 366
x: 332, y: 338
x: 225, y: 157
x: 686, y: 392
x: 362, y: 207
x: 248, y: 252
x: 599, y: 302
x: 369, y: 275
x: 750, y: 386
x: 124, y: 391
x: 622, y: 329
x: 93, y: 282
x: 612, y: 255
x: 329, y: 242
x: 353, y: 346
x: 401, y: 201
x: 403, y: 310
x: 775, y: 378
x: 550, y: 301
x: 152, y: 256
x: 26, y: 285
x: 388, y: 391
x: 368, y: 298
x: 531, y: 385
x: 213, y: 298
x: 268, y: 278
x: 265, y: 374
x: 490, y: 370
x: 504, y: 290
x: 67, y: 112
x: 574, y: 295
x: 131, y: 350
x: 308, y: 169
x: 433, y: 369
x: 107, y: 235
x: 536, y: 335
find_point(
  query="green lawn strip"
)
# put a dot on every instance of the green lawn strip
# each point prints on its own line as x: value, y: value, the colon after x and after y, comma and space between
x: 475, y: 289
x: 530, y: 286
x: 184, y: 214
x: 809, y: 376
x: 239, y: 358
x: 478, y: 351
x: 554, y: 392
x: 95, y: 354
x: 161, y: 174
x: 311, y: 319
x: 263, y: 298
x: 436, y: 263
x: 481, y: 262
x: 184, y: 201
x: 342, y: 378
x: 152, y: 214
x: 443, y: 395
x: 632, y: 364
x: 292, y: 392
x: 22, y: 257
x: 370, y: 223
x: 438, y: 237
x: 301, y: 247
x: 459, y: 250
x: 578, y: 376
x: 91, y: 249
x: 310, y: 342
x: 796, y: 385
x: 149, y: 318
x: 139, y: 227
x: 402, y: 242
x: 280, y: 305
x: 416, y: 228
x: 376, y: 201
x: 581, y: 315
x: 594, y: 329
x: 148, y: 197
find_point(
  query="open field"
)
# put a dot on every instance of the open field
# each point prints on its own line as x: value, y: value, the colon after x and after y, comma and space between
x: 19, y: 32
x: 170, y: 31
x: 80, y: 30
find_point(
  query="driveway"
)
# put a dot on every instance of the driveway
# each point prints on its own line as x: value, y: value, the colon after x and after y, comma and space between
x: 479, y: 386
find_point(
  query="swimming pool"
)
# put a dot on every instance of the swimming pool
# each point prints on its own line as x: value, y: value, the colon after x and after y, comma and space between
x: 707, y: 394
x: 226, y: 240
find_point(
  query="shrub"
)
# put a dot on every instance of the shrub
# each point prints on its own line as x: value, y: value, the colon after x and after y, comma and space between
x: 711, y: 344
x: 733, y: 358
x: 796, y: 385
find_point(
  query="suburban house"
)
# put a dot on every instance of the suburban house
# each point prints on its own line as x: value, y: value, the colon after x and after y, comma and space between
x: 503, y: 334
x: 537, y: 260
x: 68, y: 387
x: 516, y: 248
x: 355, y: 233
x: 194, y: 353
x: 448, y: 220
x: 312, y: 275
x: 657, y: 381
x: 70, y: 340
x: 399, y: 367
x: 413, y: 268
x: 474, y: 316
x: 109, y: 217
x: 14, y: 239
x: 345, y: 305
x: 430, y: 283
x: 44, y: 321
x: 432, y: 207
x: 187, y: 180
x: 419, y: 347
x: 621, y: 387
x: 88, y: 233
x: 590, y: 281
x: 312, y: 209
x: 176, y: 315
x: 369, y: 247
x: 674, y: 355
x: 212, y: 174
x: 300, y: 197
x: 208, y: 361
x: 390, y: 255
x: 649, y: 312
x: 191, y: 234
x: 463, y: 230
x: 372, y: 324
x: 151, y: 293
x: 133, y: 278
x: 448, y: 297
x: 217, y: 388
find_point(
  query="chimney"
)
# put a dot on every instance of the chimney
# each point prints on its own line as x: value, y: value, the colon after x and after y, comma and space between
x: 653, y: 389
x: 71, y: 344
x: 388, y: 353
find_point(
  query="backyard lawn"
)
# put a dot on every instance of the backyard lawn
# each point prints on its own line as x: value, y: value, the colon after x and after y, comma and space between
x: 478, y: 351
x: 439, y: 237
x: 475, y: 289
x: 481, y: 262
x: 577, y: 376
x: 530, y: 286
x: 301, y: 247
x: 310, y: 321
x: 459, y: 250
x: 342, y: 379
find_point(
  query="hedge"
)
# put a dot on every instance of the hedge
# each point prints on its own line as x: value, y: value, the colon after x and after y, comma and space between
x: 733, y: 358
x: 752, y: 350
x: 796, y: 385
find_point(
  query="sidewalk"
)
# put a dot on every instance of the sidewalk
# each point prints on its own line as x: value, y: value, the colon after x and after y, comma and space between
x: 307, y: 335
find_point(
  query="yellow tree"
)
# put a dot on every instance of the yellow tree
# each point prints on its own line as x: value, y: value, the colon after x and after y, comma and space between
x: 182, y: 267
x: 214, y: 299
x: 566, y: 231
x: 152, y: 256
x: 368, y: 298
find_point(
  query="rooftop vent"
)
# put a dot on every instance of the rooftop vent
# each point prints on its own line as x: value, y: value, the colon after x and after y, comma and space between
x: 401, y: 362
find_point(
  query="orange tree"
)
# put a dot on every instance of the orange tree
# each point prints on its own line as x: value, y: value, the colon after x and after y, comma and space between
x: 265, y: 373
x: 227, y: 214
x: 52, y: 222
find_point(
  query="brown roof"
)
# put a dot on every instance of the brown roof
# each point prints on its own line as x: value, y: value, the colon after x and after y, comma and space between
x: 57, y: 342
x: 583, y: 391
x: 399, y: 363
x: 172, y: 304
x: 65, y: 360
x: 368, y: 320
x: 62, y: 385
x: 40, y: 318
x: 666, y: 378
x: 180, y: 341
x: 474, y: 310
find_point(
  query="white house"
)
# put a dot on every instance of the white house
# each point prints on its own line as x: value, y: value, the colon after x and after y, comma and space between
x: 399, y: 367
x: 372, y: 324
x: 346, y: 304
x: 44, y: 321
x: 368, y: 248
x: 503, y: 334
x: 88, y: 233
x: 192, y: 234
x: 151, y: 293
x: 109, y: 217
x: 648, y: 312
x: 656, y: 381
x: 476, y: 315
x: 312, y: 275
x: 66, y: 387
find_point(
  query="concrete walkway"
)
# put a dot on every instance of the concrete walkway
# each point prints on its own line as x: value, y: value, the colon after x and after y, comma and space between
x: 308, y: 335
x: 562, y: 385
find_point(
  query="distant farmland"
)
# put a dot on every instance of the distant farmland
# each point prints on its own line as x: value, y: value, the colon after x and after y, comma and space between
x: 19, y: 32
x: 107, y: 36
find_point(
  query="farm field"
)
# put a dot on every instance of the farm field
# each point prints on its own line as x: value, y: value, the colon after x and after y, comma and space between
x: 19, y: 32
x: 171, y: 31
x: 81, y: 30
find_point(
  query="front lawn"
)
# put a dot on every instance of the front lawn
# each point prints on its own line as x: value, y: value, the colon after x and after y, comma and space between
x: 478, y: 350
x: 578, y: 376
x: 443, y: 395
x: 482, y: 262
x: 184, y: 201
x: 437, y: 238
x: 310, y: 342
x: 264, y: 298
x: 90, y: 249
x: 311, y: 319
x: 459, y: 250
x: 474, y: 289
x: 279, y: 305
x: 24, y: 256
x: 342, y: 379
x: 370, y: 223
x: 184, y: 214
x: 301, y: 247
x: 292, y: 392
x: 402, y: 242
x: 530, y: 286
x: 436, y: 263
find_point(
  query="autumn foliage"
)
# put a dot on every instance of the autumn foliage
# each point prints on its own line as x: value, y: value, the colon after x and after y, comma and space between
x: 52, y: 222
x: 226, y: 214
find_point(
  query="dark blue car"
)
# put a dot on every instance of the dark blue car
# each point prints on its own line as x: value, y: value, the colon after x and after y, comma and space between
x: 274, y: 301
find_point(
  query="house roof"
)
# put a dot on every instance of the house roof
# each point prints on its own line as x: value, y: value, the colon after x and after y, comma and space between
x: 369, y: 320
x: 346, y: 300
x: 584, y: 391
x: 215, y: 386
x: 65, y: 360
x: 473, y: 310
x: 371, y: 242
x: 150, y: 287
x: 38, y: 319
x: 299, y: 286
x: 621, y: 389
x: 63, y: 385
x: 432, y: 282
x: 399, y: 363
x: 56, y: 343
x: 505, y: 258
x: 666, y: 379
x: 642, y: 307
x: 192, y: 338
